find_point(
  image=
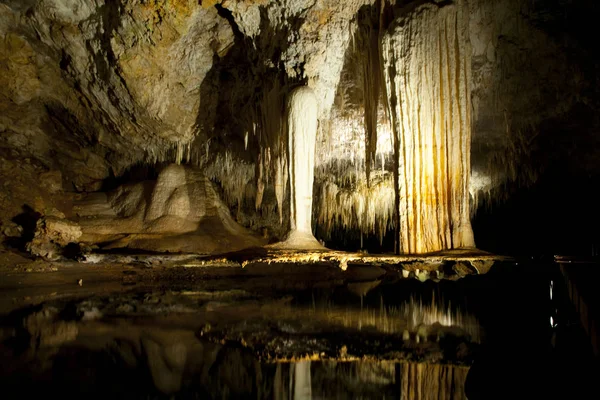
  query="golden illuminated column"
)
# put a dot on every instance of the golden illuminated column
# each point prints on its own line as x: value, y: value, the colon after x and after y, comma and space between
x: 426, y: 54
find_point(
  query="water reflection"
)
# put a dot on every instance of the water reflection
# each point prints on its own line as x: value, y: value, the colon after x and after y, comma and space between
x: 368, y: 380
x: 256, y: 339
x: 236, y: 344
x: 177, y: 367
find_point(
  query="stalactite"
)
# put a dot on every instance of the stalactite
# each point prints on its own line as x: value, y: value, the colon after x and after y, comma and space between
x: 352, y: 157
x: 480, y: 185
x: 344, y: 200
x: 369, y: 210
x: 368, y: 39
x: 263, y: 166
x: 233, y: 174
x: 427, y: 73
x: 280, y: 182
x: 344, y: 143
x: 178, y: 152
x: 260, y: 184
x: 272, y: 145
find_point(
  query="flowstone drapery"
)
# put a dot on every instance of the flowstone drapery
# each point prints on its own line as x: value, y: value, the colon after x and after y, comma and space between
x: 427, y: 73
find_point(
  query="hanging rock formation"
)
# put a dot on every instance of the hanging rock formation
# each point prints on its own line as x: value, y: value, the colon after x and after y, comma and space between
x: 427, y: 73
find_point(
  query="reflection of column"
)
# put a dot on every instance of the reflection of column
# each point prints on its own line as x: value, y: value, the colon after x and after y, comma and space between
x: 421, y: 380
x: 278, y: 386
x: 300, y: 381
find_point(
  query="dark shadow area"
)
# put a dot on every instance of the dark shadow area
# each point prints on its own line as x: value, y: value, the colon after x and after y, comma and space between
x: 241, y: 255
x: 556, y: 215
x: 524, y: 356
x: 544, y: 119
x: 72, y: 251
x: 130, y: 251
x: 352, y: 240
x: 28, y: 221
x: 135, y: 173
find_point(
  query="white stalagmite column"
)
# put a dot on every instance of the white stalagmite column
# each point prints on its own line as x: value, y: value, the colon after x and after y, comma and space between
x: 302, y: 130
x: 426, y: 56
x: 301, y: 110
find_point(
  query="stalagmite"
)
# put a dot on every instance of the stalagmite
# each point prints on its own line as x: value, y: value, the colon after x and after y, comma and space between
x: 301, y: 111
x: 427, y: 73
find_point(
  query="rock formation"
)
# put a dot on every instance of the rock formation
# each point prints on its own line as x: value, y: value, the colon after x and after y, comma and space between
x: 52, y: 235
x: 301, y: 111
x: 179, y: 212
x: 93, y: 91
x: 427, y: 74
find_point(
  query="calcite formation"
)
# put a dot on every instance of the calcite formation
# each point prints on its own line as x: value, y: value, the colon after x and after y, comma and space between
x: 427, y: 73
x: 94, y: 90
x: 370, y: 210
x: 301, y: 110
x: 302, y: 125
x: 179, y: 212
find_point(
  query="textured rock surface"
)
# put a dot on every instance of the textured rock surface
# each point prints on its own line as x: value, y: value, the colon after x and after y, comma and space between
x: 90, y: 90
x: 427, y: 73
x: 315, y: 50
x: 180, y: 212
x: 90, y: 85
x: 51, y: 235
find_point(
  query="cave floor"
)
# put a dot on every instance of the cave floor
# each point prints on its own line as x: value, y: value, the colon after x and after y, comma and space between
x: 26, y: 281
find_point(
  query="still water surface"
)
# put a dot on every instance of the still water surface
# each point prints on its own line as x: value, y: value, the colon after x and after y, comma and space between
x: 507, y: 334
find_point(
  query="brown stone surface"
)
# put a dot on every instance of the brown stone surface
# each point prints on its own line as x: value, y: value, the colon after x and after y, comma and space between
x: 179, y: 212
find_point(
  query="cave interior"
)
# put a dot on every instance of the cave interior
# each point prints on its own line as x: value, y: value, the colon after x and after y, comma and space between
x: 299, y: 198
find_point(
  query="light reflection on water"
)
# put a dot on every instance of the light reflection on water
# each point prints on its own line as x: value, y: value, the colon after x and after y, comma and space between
x: 200, y: 344
x: 384, y: 339
x: 410, y: 316
x: 368, y: 380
